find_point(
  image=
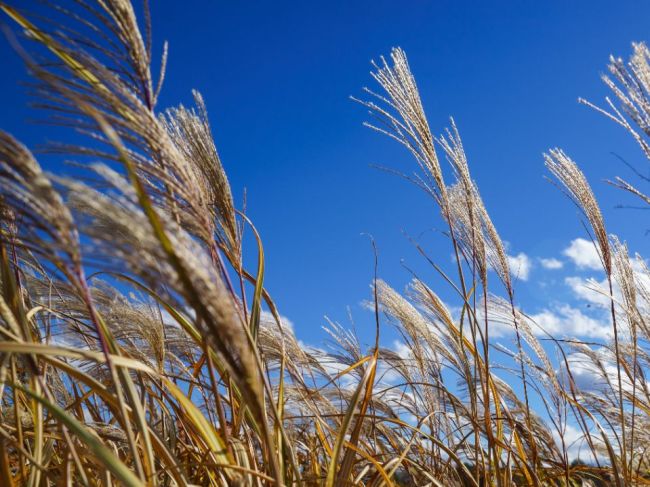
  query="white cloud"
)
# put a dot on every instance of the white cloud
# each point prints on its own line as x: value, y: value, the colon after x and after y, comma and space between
x: 551, y: 263
x: 387, y: 375
x: 401, y: 349
x: 267, y: 318
x: 596, y: 292
x: 566, y: 320
x: 520, y: 265
x: 590, y: 290
x: 640, y: 269
x: 584, y: 372
x: 597, y: 378
x: 584, y: 254
x: 575, y: 443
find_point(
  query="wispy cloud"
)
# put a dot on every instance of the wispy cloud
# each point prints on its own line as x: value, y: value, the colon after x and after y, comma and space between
x: 565, y: 320
x: 575, y: 442
x: 268, y: 318
x: 520, y: 265
x: 551, y: 263
x: 590, y: 290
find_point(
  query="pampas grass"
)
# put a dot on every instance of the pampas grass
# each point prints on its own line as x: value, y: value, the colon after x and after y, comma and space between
x: 138, y: 347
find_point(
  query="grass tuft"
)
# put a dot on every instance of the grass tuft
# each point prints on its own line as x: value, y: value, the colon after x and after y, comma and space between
x: 135, y: 343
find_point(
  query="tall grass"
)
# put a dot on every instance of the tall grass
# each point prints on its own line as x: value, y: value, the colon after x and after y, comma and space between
x: 139, y: 348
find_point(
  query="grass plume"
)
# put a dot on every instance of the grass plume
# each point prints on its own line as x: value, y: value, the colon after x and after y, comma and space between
x: 139, y: 347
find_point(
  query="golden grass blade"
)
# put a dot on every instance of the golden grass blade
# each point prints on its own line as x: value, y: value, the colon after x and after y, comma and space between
x: 97, y: 388
x: 101, y: 452
x: 333, y: 470
x: 194, y: 386
x: 203, y: 427
x: 48, y: 42
x: 256, y: 306
x: 5, y: 470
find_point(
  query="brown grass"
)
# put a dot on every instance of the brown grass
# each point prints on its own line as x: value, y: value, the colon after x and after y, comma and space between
x: 131, y: 355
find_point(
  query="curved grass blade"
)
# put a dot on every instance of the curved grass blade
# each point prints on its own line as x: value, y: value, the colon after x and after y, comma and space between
x: 101, y: 451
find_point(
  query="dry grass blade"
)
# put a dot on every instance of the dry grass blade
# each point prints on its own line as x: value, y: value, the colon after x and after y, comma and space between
x: 139, y: 346
x: 104, y: 454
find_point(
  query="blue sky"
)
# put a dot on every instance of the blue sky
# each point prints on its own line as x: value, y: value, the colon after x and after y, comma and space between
x: 277, y: 79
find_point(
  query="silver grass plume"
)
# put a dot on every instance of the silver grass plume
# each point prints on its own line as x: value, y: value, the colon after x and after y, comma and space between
x: 579, y: 190
x: 190, y: 131
x: 402, y: 118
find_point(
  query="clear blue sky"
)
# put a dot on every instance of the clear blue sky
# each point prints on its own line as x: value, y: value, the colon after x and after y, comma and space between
x: 277, y: 77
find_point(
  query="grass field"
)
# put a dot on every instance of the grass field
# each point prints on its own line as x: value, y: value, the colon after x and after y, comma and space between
x: 137, y: 347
